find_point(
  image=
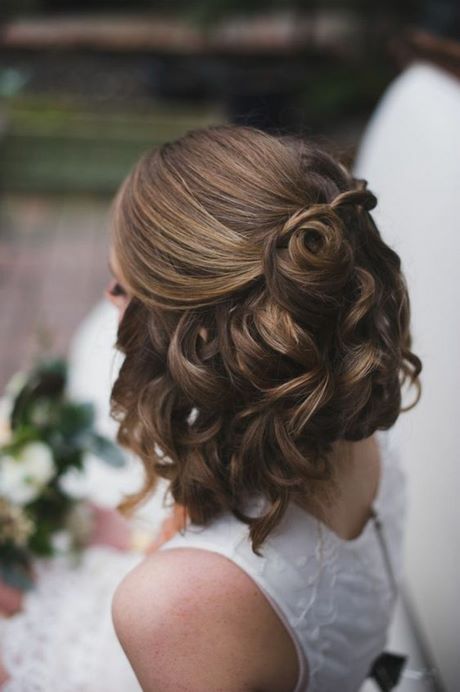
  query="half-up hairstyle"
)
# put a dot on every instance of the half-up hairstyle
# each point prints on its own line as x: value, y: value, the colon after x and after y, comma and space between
x: 268, y: 320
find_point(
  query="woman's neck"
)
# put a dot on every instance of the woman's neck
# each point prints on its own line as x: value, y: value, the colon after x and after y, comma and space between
x: 344, y: 503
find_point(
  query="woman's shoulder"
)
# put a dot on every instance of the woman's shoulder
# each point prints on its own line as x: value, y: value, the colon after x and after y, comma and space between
x: 172, y: 576
x: 188, y: 615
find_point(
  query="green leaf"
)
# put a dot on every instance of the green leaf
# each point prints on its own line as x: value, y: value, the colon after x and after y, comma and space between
x: 17, y: 575
x: 75, y: 417
x: 21, y: 436
x: 46, y: 380
x: 52, y: 371
x: 40, y: 541
x: 105, y: 449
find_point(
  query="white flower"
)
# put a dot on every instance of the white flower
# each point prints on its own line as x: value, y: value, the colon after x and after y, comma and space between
x: 15, y: 525
x: 16, y: 383
x: 74, y: 484
x: 38, y: 460
x: 12, y: 389
x: 23, y: 477
x: 14, y: 485
x: 100, y: 483
x: 6, y: 406
x: 61, y: 541
x: 40, y: 413
x: 80, y: 524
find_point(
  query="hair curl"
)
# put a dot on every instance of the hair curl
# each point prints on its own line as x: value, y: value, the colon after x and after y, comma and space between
x: 268, y: 320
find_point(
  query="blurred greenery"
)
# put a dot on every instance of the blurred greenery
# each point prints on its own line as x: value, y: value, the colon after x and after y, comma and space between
x: 15, y: 568
x: 339, y: 91
x: 43, y: 411
x: 56, y: 142
x: 67, y: 146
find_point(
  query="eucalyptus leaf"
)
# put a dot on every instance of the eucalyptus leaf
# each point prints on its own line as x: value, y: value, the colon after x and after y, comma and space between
x: 75, y: 417
x: 16, y: 575
x: 105, y: 449
x: 46, y: 380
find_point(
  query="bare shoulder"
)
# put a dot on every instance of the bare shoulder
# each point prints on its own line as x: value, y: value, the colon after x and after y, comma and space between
x: 190, y: 618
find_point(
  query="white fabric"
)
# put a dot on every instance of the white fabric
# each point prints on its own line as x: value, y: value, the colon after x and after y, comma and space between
x: 338, y: 616
x: 93, y: 367
x: 334, y: 596
x: 64, y: 638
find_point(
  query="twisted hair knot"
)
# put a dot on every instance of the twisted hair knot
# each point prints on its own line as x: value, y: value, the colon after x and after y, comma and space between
x: 307, y: 262
x: 360, y: 197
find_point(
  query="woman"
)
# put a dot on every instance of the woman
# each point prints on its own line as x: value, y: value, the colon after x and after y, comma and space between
x: 265, y: 327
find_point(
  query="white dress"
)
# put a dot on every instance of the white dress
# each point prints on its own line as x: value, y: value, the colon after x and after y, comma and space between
x: 63, y: 640
x: 335, y: 597
x: 338, y: 614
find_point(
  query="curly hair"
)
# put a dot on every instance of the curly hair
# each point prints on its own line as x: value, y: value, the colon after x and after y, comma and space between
x: 268, y: 320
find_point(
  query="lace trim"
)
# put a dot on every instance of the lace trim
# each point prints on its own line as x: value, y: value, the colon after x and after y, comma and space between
x: 64, y: 638
x: 309, y: 596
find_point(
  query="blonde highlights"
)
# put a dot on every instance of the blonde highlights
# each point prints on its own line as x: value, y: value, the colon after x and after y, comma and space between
x: 268, y: 320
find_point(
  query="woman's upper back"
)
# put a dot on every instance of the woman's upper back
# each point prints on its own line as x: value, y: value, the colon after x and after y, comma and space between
x: 334, y: 596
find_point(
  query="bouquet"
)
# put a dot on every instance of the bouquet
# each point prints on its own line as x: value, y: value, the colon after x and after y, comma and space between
x: 44, y: 435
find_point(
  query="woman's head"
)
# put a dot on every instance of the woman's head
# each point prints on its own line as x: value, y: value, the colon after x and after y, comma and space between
x: 267, y: 319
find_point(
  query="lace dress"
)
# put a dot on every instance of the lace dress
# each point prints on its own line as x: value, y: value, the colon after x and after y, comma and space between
x: 64, y: 639
x: 335, y: 597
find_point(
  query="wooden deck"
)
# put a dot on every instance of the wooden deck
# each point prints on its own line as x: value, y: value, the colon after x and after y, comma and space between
x: 53, y: 268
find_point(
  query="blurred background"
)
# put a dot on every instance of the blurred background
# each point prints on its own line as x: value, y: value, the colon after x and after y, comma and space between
x: 86, y: 87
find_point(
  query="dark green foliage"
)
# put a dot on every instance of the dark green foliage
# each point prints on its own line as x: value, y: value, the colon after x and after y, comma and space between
x: 42, y: 411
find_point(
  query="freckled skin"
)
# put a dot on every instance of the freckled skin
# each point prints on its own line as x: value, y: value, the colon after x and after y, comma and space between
x: 3, y: 674
x: 191, y: 619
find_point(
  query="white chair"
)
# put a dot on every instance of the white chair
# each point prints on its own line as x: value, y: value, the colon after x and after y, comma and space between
x: 410, y: 156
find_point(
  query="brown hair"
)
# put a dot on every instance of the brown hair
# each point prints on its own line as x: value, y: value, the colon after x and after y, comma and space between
x: 268, y: 320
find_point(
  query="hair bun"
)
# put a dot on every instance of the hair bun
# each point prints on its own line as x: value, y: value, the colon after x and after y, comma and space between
x: 308, y: 260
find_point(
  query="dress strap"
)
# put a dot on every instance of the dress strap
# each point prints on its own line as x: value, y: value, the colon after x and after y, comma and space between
x: 384, y: 548
x: 387, y: 668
